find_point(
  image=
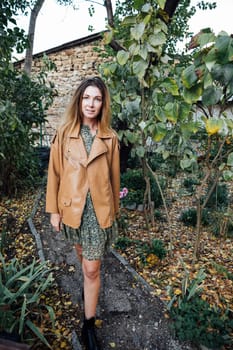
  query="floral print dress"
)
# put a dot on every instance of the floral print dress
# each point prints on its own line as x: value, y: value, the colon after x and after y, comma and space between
x: 94, y: 240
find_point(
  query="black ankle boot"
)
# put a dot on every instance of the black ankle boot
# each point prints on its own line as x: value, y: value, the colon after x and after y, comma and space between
x: 89, y: 336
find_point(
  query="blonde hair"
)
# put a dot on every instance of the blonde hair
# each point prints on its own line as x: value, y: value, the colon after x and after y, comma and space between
x: 73, y: 116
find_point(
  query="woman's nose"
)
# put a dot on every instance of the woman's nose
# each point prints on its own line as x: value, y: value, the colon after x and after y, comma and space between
x: 91, y: 102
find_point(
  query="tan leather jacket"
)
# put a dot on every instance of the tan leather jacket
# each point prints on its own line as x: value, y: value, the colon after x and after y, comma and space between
x: 72, y: 174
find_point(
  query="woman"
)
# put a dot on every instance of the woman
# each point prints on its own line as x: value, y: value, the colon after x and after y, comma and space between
x: 83, y: 187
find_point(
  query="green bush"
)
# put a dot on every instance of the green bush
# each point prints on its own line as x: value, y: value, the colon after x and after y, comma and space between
x: 195, y: 320
x: 133, y: 180
x: 219, y: 197
x: 23, y: 105
x: 190, y: 184
x: 20, y: 291
x: 155, y: 247
x: 189, y: 217
x: 123, y: 242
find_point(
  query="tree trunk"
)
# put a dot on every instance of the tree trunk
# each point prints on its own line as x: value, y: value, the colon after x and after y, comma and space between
x: 31, y: 32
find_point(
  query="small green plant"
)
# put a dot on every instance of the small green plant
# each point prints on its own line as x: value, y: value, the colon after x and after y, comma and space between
x: 190, y: 184
x: 20, y: 292
x: 133, y: 180
x: 155, y: 247
x: 189, y: 217
x: 123, y: 242
x: 194, y: 319
x: 122, y: 221
x: 219, y: 198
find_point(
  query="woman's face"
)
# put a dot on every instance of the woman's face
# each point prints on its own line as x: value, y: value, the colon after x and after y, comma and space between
x: 91, y: 103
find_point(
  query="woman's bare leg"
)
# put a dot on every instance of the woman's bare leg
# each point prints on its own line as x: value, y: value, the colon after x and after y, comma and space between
x: 91, y: 273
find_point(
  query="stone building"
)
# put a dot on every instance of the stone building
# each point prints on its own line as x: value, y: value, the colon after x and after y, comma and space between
x: 74, y: 61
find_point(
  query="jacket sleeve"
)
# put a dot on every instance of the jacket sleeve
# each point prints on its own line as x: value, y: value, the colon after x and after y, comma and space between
x: 53, y: 182
x: 115, y: 173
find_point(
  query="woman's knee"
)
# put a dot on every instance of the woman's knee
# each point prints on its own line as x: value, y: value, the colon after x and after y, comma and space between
x: 91, y: 269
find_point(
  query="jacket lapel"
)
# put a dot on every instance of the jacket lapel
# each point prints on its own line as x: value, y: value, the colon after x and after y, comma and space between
x: 98, y: 147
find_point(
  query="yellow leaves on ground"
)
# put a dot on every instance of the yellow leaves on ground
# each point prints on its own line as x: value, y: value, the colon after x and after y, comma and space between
x: 216, y: 258
x: 98, y: 323
x: 152, y: 260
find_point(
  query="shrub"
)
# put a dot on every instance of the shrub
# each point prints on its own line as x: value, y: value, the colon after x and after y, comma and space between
x: 134, y: 181
x: 123, y: 242
x: 189, y: 217
x: 219, y: 197
x: 154, y: 248
x: 194, y: 319
x: 20, y: 292
x: 190, y: 184
x: 23, y: 104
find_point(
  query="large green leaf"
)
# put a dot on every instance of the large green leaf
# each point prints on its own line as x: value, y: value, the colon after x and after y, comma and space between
x: 137, y: 31
x: 224, y: 48
x: 189, y: 76
x: 172, y: 111
x: 139, y: 68
x: 205, y: 38
x: 122, y: 57
x: 223, y: 73
x: 171, y: 86
x: 157, y: 39
x: 189, y: 129
x: 211, y: 96
x: 184, y: 110
x: 161, y: 3
x: 193, y: 95
x: 140, y: 151
x: 160, y: 132
x: 159, y: 114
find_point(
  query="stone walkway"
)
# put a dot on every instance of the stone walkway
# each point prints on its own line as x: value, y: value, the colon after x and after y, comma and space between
x: 132, y: 318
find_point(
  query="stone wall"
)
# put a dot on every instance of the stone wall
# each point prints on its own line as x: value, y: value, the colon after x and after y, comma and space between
x: 74, y: 61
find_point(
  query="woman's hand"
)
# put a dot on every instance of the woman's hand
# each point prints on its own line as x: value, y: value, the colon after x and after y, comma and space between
x: 55, y: 220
